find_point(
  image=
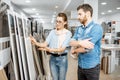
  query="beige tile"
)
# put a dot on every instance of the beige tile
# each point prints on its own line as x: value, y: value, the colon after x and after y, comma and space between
x: 72, y: 69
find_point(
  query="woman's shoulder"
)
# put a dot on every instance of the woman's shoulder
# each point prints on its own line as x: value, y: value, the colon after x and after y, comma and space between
x: 68, y: 31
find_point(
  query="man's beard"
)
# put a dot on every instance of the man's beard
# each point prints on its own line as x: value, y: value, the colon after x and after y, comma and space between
x: 83, y: 21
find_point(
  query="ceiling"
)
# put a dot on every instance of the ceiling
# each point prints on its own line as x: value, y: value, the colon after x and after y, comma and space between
x: 110, y: 6
x: 46, y: 10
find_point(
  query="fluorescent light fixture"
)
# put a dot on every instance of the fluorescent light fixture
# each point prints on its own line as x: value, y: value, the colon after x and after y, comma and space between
x: 102, y: 13
x: 103, y: 3
x: 118, y: 8
x: 109, y: 11
x: 27, y: 1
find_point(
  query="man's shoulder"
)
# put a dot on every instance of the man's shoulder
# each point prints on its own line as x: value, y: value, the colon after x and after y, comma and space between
x: 97, y: 25
x: 97, y: 28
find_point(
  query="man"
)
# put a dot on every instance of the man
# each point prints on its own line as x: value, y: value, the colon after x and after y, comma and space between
x: 87, y: 40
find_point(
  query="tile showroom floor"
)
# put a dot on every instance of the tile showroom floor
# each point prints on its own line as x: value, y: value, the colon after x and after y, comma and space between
x: 72, y: 71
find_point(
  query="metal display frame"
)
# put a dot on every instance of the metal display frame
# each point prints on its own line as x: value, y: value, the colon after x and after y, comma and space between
x: 29, y: 53
x: 22, y: 46
x: 13, y: 45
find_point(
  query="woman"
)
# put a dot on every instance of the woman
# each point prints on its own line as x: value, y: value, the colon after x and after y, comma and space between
x: 56, y: 43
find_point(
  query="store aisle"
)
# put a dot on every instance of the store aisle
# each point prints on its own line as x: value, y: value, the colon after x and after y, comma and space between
x: 72, y: 68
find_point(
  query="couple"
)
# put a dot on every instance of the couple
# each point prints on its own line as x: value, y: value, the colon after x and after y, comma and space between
x: 86, y: 39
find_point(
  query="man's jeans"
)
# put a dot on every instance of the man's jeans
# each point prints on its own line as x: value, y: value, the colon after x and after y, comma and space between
x: 89, y: 74
x: 58, y: 66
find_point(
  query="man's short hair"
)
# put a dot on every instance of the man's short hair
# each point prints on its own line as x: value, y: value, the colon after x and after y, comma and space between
x: 86, y: 7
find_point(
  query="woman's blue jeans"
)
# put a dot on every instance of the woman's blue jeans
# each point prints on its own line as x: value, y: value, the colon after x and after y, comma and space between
x: 58, y: 66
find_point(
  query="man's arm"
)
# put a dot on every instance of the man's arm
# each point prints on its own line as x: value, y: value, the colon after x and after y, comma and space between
x: 83, y: 43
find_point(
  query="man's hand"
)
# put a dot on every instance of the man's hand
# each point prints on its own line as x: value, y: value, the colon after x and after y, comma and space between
x: 77, y: 50
x: 73, y: 53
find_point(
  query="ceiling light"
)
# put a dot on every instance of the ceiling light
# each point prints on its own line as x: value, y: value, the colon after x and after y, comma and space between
x: 118, y: 8
x: 54, y: 16
x: 56, y: 6
x: 102, y: 13
x: 54, y: 12
x: 33, y: 9
x: 109, y: 11
x: 42, y: 21
x: 27, y: 1
x: 103, y: 3
x: 37, y: 14
x: 53, y: 19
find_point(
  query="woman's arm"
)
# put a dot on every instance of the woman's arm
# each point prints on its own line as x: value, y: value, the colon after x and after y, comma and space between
x: 57, y: 50
x: 37, y: 43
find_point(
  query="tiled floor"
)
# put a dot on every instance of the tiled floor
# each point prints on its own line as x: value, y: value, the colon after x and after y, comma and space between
x: 116, y: 74
x: 72, y: 69
x: 72, y: 72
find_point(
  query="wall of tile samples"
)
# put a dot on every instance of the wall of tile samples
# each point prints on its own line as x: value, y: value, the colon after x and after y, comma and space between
x: 27, y: 63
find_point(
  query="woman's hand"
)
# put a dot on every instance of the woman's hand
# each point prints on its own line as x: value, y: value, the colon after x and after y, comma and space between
x: 33, y: 41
